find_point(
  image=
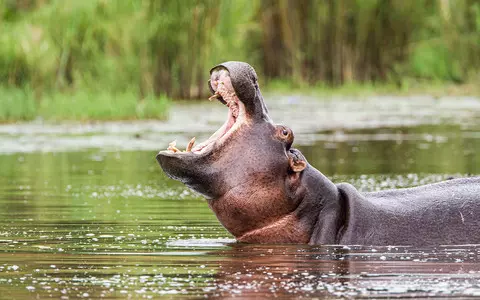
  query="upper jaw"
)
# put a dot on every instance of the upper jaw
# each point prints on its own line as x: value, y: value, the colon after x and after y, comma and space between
x: 235, y: 85
x: 244, y: 82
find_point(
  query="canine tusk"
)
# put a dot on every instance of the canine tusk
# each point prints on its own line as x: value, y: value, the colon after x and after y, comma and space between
x: 190, y: 145
x: 172, y: 147
x: 215, y: 96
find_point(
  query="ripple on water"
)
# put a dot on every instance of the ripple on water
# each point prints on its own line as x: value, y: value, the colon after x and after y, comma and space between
x: 108, y: 223
x: 110, y: 235
x: 250, y: 270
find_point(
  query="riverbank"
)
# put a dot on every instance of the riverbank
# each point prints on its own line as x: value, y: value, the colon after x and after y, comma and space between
x: 334, y: 119
x: 22, y: 105
x: 407, y: 88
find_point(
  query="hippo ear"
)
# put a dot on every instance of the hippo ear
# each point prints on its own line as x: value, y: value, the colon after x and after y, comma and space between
x: 297, y: 165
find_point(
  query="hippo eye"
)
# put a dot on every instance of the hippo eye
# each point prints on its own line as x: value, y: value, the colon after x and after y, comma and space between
x: 285, y: 134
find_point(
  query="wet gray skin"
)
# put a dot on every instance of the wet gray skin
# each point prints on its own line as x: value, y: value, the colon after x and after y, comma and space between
x: 250, y: 162
x: 203, y: 168
x: 264, y: 191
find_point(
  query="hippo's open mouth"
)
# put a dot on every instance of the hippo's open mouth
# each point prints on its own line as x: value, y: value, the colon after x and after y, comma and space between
x: 225, y: 94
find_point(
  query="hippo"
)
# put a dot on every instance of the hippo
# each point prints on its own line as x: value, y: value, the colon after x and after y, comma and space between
x: 263, y: 190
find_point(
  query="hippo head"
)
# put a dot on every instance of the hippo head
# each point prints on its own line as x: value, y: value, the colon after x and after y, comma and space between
x: 247, y: 169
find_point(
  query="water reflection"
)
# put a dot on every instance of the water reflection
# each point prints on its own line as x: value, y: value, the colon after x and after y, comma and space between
x: 422, y: 149
x: 229, y: 270
x: 354, y: 271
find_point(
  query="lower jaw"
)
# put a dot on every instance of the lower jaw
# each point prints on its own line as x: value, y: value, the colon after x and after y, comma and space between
x: 232, y: 124
x: 227, y: 129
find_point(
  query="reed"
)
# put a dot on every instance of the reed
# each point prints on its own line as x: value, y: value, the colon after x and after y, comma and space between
x: 17, y: 104
x: 340, y: 41
x: 151, y: 49
x: 84, y: 105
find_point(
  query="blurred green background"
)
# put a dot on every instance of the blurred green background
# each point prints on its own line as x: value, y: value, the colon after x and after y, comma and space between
x: 122, y: 59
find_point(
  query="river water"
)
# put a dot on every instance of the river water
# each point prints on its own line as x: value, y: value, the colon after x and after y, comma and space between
x: 85, y: 211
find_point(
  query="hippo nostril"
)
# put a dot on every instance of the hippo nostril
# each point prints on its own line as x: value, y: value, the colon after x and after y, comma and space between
x: 294, y: 153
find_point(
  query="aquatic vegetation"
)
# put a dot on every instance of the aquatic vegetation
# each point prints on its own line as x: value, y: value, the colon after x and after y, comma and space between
x: 21, y: 104
x: 165, y: 47
x: 84, y: 105
x: 17, y: 104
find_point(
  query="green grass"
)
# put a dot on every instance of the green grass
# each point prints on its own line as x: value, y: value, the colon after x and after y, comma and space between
x: 92, y: 59
x: 21, y: 105
x: 434, y: 88
x: 17, y: 104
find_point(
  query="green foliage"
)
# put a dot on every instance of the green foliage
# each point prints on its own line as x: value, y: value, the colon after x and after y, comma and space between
x: 432, y: 61
x: 20, y: 104
x: 85, y: 105
x: 447, y: 47
x: 338, y: 42
x: 149, y: 48
x: 165, y: 46
x: 159, y: 47
x: 16, y: 104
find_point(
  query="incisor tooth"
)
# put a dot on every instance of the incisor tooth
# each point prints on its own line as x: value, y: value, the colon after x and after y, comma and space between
x: 172, y: 146
x: 190, y: 145
x: 214, y: 96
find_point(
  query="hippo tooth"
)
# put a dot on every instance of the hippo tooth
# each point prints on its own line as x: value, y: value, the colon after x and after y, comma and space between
x: 172, y: 147
x: 215, y: 96
x: 190, y: 145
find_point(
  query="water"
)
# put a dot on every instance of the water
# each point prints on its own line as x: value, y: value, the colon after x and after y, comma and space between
x: 85, y: 211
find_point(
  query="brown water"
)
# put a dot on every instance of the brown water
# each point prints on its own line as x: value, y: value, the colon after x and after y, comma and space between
x: 85, y: 212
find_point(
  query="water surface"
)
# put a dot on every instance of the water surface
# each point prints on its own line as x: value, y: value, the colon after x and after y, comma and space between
x: 85, y: 211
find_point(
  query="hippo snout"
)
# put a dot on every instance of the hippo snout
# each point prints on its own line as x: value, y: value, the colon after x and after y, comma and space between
x: 171, y: 164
